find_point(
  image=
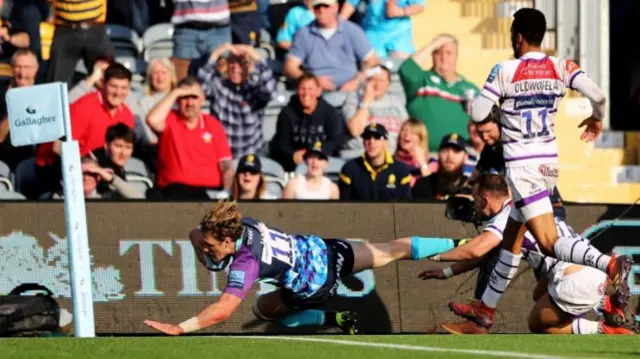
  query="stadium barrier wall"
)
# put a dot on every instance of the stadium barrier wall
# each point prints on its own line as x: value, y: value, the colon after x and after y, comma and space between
x: 144, y: 266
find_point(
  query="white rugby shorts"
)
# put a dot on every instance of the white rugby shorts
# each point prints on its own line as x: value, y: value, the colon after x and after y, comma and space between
x: 531, y: 189
x: 578, y: 292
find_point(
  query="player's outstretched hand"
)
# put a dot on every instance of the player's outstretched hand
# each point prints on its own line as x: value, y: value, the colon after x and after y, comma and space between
x: 432, y: 274
x: 594, y: 127
x: 170, y: 329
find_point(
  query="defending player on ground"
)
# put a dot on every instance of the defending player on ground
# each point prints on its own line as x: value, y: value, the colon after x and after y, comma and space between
x: 565, y: 291
x: 529, y: 90
x: 307, y: 268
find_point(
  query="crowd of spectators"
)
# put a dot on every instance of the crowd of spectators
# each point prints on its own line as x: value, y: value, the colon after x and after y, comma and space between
x: 196, y: 128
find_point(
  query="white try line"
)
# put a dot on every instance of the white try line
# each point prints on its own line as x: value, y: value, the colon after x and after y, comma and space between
x: 417, y: 348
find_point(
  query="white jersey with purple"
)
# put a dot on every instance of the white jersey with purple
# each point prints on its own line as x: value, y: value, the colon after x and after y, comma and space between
x: 575, y: 293
x: 298, y: 263
x: 529, y: 91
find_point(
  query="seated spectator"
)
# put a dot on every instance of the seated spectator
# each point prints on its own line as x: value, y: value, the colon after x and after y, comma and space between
x: 375, y: 176
x: 91, y: 115
x: 330, y: 48
x: 117, y: 150
x: 387, y: 25
x: 161, y: 79
x: 313, y: 185
x: 12, y: 38
x: 249, y: 182
x: 438, y: 96
x: 373, y: 105
x: 239, y: 99
x: 24, y: 65
x: 95, y: 177
x: 450, y: 176
x: 95, y: 82
x: 27, y: 15
x: 474, y: 148
x: 245, y: 22
x: 306, y: 119
x: 297, y: 17
x: 412, y: 150
x: 193, y: 151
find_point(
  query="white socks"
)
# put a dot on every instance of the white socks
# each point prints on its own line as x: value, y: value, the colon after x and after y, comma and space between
x: 504, y: 271
x: 584, y: 326
x: 580, y: 251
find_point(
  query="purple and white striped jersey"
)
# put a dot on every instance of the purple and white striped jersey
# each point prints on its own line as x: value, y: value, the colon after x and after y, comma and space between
x: 529, y: 91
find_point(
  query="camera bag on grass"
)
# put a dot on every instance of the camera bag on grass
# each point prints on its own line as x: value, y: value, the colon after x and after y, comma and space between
x: 29, y: 315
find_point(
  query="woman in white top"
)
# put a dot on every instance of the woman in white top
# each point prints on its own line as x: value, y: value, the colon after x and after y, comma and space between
x: 313, y: 185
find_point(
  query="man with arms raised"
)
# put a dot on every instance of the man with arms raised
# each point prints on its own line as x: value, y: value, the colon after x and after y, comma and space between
x: 529, y: 90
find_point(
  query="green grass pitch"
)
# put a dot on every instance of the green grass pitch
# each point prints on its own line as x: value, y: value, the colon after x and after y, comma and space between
x: 328, y: 347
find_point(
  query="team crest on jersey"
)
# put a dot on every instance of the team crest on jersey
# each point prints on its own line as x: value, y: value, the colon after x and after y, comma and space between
x: 206, y: 137
x: 494, y: 73
x: 571, y: 66
x: 391, y: 182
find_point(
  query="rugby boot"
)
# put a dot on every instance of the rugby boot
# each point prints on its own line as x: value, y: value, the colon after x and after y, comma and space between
x: 464, y: 327
x: 475, y: 311
x: 618, y: 272
x: 348, y: 322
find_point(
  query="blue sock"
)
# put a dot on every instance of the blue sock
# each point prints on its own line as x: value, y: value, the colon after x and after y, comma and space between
x: 424, y: 247
x: 309, y: 317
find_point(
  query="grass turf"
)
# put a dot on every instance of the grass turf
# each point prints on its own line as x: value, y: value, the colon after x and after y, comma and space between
x: 575, y: 346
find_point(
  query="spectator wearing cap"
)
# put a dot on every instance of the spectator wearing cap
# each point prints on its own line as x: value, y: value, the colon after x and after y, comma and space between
x: 438, y: 96
x: 450, y: 175
x: 306, y: 119
x: 313, y: 185
x: 330, y: 48
x: 193, y: 151
x: 375, y: 176
x: 249, y: 182
x: 201, y: 26
x: 387, y: 25
x: 297, y: 17
x: 239, y: 99
x: 91, y: 116
x: 373, y: 105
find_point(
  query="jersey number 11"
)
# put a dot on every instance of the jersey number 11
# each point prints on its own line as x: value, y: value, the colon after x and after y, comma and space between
x: 537, y: 119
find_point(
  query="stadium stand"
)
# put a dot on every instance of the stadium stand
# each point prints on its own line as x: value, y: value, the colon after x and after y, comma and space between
x: 5, y: 177
x: 157, y: 42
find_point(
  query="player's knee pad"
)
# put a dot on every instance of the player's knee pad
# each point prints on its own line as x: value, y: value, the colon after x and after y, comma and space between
x: 256, y: 311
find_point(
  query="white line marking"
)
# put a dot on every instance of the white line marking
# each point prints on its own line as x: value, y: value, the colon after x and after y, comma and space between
x: 494, y: 353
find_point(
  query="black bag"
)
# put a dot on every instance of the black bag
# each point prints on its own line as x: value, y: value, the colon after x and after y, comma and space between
x: 29, y: 315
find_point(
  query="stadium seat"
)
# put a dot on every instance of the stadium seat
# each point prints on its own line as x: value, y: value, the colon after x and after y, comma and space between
x: 140, y: 183
x: 332, y: 171
x: 392, y: 63
x: 11, y: 196
x: 274, y: 188
x: 157, y: 41
x: 25, y: 174
x: 136, y: 167
x: 335, y: 99
x: 5, y: 177
x: 125, y: 41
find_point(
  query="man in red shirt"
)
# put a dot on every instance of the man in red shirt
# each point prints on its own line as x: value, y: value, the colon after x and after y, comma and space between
x: 193, y: 150
x: 91, y: 115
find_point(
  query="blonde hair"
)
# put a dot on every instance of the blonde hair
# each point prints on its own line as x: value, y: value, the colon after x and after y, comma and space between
x: 222, y: 221
x: 419, y: 128
x: 235, y: 188
x: 168, y: 65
